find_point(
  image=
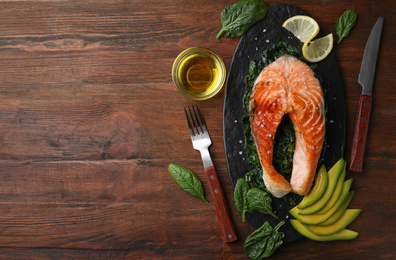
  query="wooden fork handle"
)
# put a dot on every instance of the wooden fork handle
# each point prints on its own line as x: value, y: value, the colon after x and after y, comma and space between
x: 220, y: 202
x: 360, y: 136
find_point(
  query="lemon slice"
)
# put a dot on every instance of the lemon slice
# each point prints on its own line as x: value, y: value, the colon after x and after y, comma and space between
x: 303, y: 27
x: 318, y: 49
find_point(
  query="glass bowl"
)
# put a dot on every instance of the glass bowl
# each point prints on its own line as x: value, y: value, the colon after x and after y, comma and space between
x: 198, y: 73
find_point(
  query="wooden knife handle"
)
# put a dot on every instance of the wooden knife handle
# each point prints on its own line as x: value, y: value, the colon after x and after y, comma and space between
x: 360, y: 136
x: 220, y: 202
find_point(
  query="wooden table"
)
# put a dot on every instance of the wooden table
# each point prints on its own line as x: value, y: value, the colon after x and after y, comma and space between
x: 90, y: 120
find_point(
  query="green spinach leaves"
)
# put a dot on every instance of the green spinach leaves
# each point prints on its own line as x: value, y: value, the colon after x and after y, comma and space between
x: 345, y: 24
x: 187, y: 180
x: 240, y: 197
x: 239, y: 17
x: 248, y: 199
x: 260, y: 201
x: 264, y: 241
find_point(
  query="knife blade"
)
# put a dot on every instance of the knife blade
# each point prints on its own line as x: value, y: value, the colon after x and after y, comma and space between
x: 366, y: 79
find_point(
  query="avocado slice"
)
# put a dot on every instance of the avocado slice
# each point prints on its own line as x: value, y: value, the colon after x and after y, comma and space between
x: 339, y: 212
x: 344, y: 234
x: 336, y: 193
x: 315, y: 219
x: 317, y: 190
x: 333, y: 175
x: 347, y: 218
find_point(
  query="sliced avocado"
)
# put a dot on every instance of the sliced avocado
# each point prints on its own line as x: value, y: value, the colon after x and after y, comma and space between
x: 317, y: 190
x: 346, y: 219
x: 336, y: 193
x: 344, y: 234
x: 333, y: 175
x: 339, y: 212
x: 315, y: 219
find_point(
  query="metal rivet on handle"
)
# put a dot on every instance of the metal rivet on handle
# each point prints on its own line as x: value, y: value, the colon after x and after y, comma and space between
x: 212, y: 177
x: 216, y: 191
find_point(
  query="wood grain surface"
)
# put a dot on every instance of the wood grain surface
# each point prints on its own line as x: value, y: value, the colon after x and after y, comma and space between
x: 90, y: 120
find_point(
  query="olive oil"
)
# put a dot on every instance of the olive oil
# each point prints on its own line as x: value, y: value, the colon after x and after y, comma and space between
x: 198, y: 73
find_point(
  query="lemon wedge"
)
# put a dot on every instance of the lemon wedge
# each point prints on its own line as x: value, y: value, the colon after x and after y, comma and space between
x: 318, y: 49
x: 303, y: 27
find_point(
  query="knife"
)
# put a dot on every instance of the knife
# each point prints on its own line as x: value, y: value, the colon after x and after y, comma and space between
x: 366, y: 79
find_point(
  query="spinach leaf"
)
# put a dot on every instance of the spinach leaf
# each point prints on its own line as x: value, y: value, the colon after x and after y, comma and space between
x: 345, y: 24
x: 250, y: 146
x: 240, y: 197
x: 239, y: 17
x: 255, y: 178
x: 264, y: 241
x: 252, y: 67
x: 187, y: 180
x: 280, y: 49
x: 260, y: 201
x: 283, y: 152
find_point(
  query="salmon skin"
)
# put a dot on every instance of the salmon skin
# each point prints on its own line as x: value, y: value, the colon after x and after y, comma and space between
x: 288, y: 86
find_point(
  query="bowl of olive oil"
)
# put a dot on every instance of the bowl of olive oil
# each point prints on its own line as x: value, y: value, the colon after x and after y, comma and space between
x: 198, y: 73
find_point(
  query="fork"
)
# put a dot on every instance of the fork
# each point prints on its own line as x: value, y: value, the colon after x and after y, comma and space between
x: 201, y: 141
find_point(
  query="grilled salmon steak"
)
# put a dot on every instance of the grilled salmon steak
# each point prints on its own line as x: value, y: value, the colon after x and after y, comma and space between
x: 288, y: 86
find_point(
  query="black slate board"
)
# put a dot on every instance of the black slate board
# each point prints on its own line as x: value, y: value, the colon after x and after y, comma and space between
x: 262, y: 36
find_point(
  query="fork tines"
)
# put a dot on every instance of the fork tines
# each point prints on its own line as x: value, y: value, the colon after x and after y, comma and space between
x: 195, y: 122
